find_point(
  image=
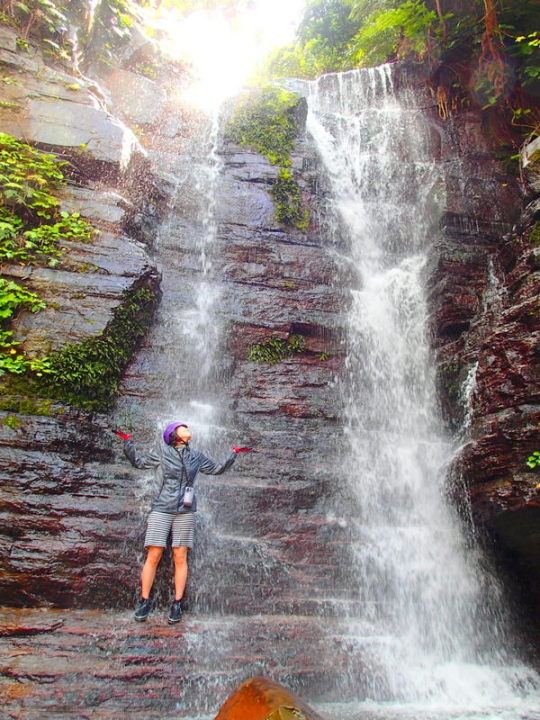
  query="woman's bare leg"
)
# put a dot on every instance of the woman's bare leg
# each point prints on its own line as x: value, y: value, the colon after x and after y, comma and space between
x: 148, y: 574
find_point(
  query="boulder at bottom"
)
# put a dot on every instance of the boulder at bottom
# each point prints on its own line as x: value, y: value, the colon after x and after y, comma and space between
x: 262, y: 699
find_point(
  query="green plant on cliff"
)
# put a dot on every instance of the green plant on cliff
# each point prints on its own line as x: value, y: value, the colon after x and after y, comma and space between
x: 266, y: 119
x: 483, y: 52
x: 12, y: 422
x: 288, y: 201
x: 88, y: 374
x: 533, y: 461
x: 322, y: 43
x: 102, y: 25
x: 343, y: 34
x: 31, y: 229
x: 31, y: 222
x: 12, y: 298
x: 32, y: 16
x: 276, y: 349
x: 26, y: 405
x: 398, y: 30
x: 534, y: 234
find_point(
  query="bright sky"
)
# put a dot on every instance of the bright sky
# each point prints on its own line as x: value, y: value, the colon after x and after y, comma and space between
x: 226, y: 52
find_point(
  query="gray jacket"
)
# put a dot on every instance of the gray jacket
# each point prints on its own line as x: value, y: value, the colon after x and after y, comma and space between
x: 179, y: 467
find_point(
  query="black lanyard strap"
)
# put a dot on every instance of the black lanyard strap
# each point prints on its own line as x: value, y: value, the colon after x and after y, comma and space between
x: 184, y: 470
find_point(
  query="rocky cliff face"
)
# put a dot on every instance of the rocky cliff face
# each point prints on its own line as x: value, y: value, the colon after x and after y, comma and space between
x: 267, y: 539
x: 483, y: 290
x: 62, y: 512
x: 69, y: 495
x: 72, y: 516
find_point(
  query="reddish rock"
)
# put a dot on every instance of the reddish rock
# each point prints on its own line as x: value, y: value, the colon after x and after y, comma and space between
x: 262, y: 699
x: 483, y: 294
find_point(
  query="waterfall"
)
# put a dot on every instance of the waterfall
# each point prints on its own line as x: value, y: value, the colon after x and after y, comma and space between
x: 431, y: 630
x: 198, y: 332
x: 182, y: 348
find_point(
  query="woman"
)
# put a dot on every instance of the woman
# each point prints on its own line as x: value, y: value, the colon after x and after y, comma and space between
x: 173, y: 509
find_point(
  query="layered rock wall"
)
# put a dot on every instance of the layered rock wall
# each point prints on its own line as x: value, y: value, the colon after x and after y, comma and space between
x: 483, y: 293
x: 63, y: 510
x: 69, y: 495
x: 72, y: 508
x: 269, y: 536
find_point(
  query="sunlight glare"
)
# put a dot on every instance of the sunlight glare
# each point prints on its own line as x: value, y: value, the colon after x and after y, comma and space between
x: 225, y: 51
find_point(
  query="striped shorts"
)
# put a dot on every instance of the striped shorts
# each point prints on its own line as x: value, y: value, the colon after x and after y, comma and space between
x: 160, y: 524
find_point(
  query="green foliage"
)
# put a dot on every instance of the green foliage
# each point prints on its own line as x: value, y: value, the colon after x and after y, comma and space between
x: 31, y: 228
x: 12, y: 422
x: 288, y: 201
x: 534, y: 233
x: 343, y: 34
x: 505, y: 57
x: 9, y: 105
x: 103, y: 25
x: 28, y: 177
x: 483, y: 55
x: 509, y: 159
x: 402, y: 30
x: 266, y: 120
x: 325, y: 32
x: 533, y: 461
x: 24, y: 405
x: 31, y: 223
x: 276, y: 349
x: 322, y: 46
x: 87, y: 374
x: 46, y: 15
x: 13, y: 296
x: 110, y: 25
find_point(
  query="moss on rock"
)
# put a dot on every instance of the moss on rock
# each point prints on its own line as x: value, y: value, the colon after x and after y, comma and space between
x: 267, y: 119
x: 88, y: 374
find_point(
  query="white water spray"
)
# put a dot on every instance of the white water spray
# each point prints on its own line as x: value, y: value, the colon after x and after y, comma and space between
x: 432, y: 633
x: 199, y: 329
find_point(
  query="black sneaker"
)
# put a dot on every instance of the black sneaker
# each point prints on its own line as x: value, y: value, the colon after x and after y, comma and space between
x: 175, y: 613
x: 143, y: 609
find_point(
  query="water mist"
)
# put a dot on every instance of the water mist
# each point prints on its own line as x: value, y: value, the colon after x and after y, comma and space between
x: 432, y: 632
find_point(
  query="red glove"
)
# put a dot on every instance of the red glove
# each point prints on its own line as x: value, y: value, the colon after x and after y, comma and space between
x: 124, y: 436
x: 237, y: 449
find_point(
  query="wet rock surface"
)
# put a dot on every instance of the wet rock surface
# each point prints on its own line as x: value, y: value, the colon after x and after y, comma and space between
x: 63, y: 512
x: 49, y: 106
x: 105, y: 666
x: 261, y: 699
x: 269, y: 535
x: 74, y: 511
x: 264, y: 543
x: 63, y: 506
x: 105, y: 166
x: 483, y: 293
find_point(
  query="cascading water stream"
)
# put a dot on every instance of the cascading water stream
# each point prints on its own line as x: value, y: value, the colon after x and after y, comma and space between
x: 431, y: 631
x: 182, y: 350
x: 199, y: 331
x: 189, y: 312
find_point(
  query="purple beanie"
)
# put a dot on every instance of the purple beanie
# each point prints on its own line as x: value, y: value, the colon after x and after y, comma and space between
x: 169, y: 430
